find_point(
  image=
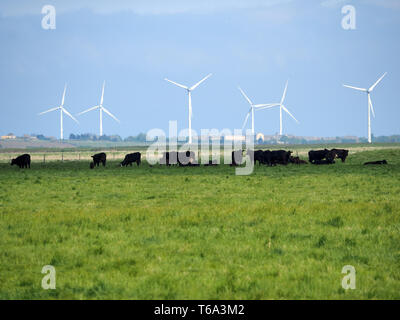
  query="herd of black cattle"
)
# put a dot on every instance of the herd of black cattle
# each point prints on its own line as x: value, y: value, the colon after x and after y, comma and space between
x: 269, y: 158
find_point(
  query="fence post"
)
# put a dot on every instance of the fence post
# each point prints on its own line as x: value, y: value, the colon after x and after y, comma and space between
x: 62, y: 156
x: 44, y: 158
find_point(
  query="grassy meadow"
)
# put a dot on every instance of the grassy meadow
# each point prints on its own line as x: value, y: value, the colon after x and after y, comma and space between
x: 202, y: 232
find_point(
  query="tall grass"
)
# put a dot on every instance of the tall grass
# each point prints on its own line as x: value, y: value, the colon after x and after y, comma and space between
x: 201, y: 232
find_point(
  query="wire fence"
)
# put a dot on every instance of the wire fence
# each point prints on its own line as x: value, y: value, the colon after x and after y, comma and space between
x: 53, y: 156
x: 44, y: 157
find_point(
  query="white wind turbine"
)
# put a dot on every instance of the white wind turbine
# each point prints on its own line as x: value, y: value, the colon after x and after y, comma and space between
x: 282, y: 107
x: 101, y: 109
x: 370, y: 106
x: 62, y: 110
x: 253, y: 107
x: 189, y: 91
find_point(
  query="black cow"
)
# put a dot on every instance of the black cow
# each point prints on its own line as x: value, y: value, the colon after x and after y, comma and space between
x: 23, y: 161
x: 131, y: 158
x: 376, y: 162
x: 272, y: 158
x: 297, y: 160
x: 100, y: 157
x: 181, y: 158
x: 256, y: 156
x: 187, y: 158
x: 237, y: 158
x: 319, y: 155
x: 341, y: 154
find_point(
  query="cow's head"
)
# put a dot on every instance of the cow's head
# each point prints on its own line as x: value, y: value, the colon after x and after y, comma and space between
x: 344, y: 155
x: 13, y: 162
x: 92, y: 165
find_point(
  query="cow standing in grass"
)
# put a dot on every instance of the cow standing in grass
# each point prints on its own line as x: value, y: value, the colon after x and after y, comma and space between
x: 100, y: 157
x: 272, y: 158
x: 341, y: 154
x: 321, y: 156
x: 23, y: 161
x: 131, y: 158
x: 256, y: 156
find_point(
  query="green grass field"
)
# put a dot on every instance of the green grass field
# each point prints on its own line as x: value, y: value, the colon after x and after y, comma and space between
x: 201, y: 232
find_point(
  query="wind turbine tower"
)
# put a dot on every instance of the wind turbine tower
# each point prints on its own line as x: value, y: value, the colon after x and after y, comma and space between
x: 101, y: 108
x: 189, y: 92
x: 62, y: 111
x: 370, y: 106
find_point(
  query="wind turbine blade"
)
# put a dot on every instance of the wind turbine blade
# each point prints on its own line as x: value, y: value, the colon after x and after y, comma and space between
x: 376, y: 83
x: 284, y: 108
x: 102, y: 93
x: 68, y: 114
x: 259, y: 109
x: 247, y: 118
x: 372, y: 107
x: 200, y: 82
x: 268, y: 107
x: 264, y: 106
x: 94, y: 108
x: 63, y: 98
x: 355, y: 88
x: 50, y: 110
x: 284, y: 92
x: 177, y: 84
x: 245, y: 96
x: 110, y: 114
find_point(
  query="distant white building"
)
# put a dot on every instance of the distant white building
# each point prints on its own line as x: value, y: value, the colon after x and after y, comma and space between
x: 10, y: 136
x: 235, y: 138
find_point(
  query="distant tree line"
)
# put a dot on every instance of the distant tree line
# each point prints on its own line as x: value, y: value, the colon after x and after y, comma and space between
x: 386, y: 139
x: 42, y: 137
x: 141, y: 137
x: 348, y: 140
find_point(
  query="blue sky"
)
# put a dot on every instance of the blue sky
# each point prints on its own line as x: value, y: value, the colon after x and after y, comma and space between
x: 257, y: 44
